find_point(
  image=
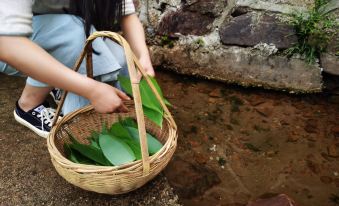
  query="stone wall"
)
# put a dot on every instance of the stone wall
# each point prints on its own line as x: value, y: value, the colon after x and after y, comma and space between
x: 238, y: 41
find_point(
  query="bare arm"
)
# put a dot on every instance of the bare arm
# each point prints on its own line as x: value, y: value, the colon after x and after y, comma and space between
x: 32, y: 60
x: 135, y: 35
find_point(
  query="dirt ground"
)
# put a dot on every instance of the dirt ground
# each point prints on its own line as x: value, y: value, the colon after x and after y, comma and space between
x: 234, y: 145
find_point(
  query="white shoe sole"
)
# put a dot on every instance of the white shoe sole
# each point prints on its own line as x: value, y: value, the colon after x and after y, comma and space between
x: 37, y: 131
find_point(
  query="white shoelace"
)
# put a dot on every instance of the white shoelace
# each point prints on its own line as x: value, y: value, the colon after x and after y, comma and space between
x: 46, y: 116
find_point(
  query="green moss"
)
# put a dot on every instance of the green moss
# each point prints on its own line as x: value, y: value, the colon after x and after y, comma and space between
x: 199, y: 42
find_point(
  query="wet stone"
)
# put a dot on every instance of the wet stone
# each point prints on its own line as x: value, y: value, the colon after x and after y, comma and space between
x: 190, y: 180
x: 335, y: 130
x: 215, y: 93
x: 326, y: 179
x: 293, y: 138
x: 332, y: 151
x: 265, y: 109
x: 252, y: 28
x: 279, y: 200
x: 311, y: 126
x: 336, y: 182
x: 314, y: 167
x: 255, y: 101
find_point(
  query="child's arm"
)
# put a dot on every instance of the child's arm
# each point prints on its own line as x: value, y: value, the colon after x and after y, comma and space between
x: 135, y: 35
x: 32, y: 60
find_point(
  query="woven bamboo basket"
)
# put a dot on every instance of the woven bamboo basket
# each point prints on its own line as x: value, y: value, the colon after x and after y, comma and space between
x: 112, y: 179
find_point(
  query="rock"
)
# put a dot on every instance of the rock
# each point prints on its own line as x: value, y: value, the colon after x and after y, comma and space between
x: 252, y: 28
x: 212, y: 100
x: 200, y: 158
x: 265, y: 109
x: 332, y: 151
x: 311, y: 126
x: 330, y: 63
x: 335, y: 130
x: 326, y: 179
x: 215, y: 93
x: 314, y: 167
x: 277, y: 6
x: 137, y: 4
x: 255, y: 101
x: 207, y: 7
x: 293, y: 138
x: 334, y: 99
x: 243, y: 66
x: 271, y: 153
x: 185, y: 23
x: 336, y: 182
x: 279, y: 200
x: 190, y: 180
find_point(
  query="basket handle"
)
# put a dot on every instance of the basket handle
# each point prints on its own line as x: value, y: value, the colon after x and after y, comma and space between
x: 132, y: 64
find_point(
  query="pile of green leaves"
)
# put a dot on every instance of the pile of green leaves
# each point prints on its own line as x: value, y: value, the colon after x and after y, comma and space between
x: 314, y: 30
x: 117, y: 145
x: 151, y: 106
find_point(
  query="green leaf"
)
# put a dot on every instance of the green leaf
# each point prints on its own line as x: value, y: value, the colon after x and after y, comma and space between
x: 157, y: 87
x: 76, y: 157
x: 116, y: 150
x: 118, y: 130
x: 129, y: 122
x: 155, y: 116
x: 91, y: 152
x: 151, y: 105
x: 135, y: 146
x: 94, y: 139
x: 153, y: 144
x: 88, y: 151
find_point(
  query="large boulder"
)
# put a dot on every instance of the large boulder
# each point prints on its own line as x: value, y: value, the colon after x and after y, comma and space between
x: 252, y: 28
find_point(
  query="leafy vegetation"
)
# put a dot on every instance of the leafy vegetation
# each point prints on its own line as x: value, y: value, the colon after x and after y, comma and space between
x: 150, y: 104
x: 314, y: 30
x: 115, y: 146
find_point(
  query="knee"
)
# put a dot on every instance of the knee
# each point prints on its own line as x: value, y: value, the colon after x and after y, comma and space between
x: 62, y: 35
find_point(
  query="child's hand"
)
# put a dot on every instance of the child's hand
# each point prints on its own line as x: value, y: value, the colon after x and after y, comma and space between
x: 107, y: 99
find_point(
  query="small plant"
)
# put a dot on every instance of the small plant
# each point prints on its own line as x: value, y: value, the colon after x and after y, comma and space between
x: 167, y: 41
x: 314, y: 30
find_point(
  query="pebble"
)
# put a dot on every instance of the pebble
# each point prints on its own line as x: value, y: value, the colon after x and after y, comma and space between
x: 335, y: 130
x: 311, y: 126
x: 326, y: 179
x: 336, y: 182
x: 215, y: 93
x: 212, y: 100
x: 293, y: 137
x: 213, y: 148
x: 332, y: 151
x: 265, y: 109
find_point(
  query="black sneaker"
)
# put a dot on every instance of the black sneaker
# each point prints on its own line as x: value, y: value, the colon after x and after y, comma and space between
x: 56, y: 94
x: 39, y: 119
